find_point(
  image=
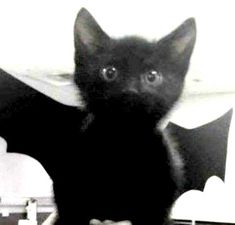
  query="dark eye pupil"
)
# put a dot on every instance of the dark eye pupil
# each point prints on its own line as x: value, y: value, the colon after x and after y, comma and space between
x: 151, y: 77
x: 109, y: 73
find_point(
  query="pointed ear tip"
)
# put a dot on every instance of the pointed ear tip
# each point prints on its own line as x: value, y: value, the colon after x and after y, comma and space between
x: 83, y: 13
x: 190, y: 22
x: 83, y: 10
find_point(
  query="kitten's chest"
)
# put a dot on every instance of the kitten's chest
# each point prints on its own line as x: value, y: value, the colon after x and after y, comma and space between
x: 119, y: 140
x: 120, y: 150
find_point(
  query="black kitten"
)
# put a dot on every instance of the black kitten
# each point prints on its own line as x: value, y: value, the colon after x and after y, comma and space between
x: 125, y: 168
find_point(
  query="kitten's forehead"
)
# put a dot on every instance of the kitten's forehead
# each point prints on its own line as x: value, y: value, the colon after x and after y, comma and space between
x: 131, y: 50
x: 134, y: 46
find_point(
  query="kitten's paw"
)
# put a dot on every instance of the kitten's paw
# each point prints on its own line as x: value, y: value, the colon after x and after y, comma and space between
x: 109, y: 222
x: 95, y: 222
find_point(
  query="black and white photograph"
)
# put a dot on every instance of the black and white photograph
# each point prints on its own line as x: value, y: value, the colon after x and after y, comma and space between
x: 117, y: 112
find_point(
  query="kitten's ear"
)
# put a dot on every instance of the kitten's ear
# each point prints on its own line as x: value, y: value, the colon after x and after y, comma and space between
x: 180, y: 42
x: 88, y: 35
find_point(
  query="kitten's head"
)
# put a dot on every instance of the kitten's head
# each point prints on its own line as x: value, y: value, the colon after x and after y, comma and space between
x: 130, y: 75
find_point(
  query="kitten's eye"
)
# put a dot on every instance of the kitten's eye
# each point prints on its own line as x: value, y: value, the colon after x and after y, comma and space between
x: 109, y: 73
x: 153, y: 78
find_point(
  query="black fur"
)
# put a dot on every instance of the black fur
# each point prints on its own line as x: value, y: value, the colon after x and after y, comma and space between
x: 124, y: 167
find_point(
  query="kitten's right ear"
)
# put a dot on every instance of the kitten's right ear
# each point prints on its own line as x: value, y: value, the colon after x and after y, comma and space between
x: 88, y: 35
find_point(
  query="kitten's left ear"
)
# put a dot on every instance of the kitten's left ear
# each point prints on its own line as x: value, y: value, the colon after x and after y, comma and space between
x: 181, y: 41
x: 88, y: 35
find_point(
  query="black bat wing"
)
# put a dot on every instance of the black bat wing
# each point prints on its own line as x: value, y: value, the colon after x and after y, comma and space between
x: 204, y: 150
x: 35, y: 124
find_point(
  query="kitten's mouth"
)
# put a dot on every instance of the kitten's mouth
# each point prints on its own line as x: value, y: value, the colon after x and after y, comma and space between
x: 130, y: 104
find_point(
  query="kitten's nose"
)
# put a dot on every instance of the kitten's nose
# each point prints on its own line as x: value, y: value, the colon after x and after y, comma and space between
x: 131, y: 88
